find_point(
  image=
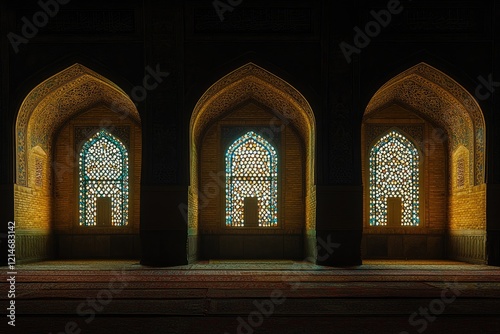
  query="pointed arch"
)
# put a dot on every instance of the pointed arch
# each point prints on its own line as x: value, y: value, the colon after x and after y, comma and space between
x: 435, y: 96
x: 56, y: 100
x: 55, y: 117
x: 252, y: 82
x: 449, y: 127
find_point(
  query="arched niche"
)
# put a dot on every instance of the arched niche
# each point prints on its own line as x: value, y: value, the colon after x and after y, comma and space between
x: 47, y: 109
x: 253, y: 83
x: 424, y: 95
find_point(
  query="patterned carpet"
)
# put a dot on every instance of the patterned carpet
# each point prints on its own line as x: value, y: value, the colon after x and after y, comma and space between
x: 256, y: 265
x: 213, y: 297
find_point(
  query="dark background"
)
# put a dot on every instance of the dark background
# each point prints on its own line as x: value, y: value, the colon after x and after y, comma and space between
x: 296, y: 40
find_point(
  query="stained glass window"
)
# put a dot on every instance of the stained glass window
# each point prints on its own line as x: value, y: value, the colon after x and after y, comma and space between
x: 394, y: 173
x: 103, y: 173
x: 251, y: 171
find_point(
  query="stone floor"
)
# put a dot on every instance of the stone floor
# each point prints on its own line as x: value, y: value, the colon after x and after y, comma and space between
x: 254, y: 297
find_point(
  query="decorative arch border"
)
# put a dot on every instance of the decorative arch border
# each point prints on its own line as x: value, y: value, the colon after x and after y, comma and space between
x: 55, y: 101
x: 434, y: 95
x: 252, y: 82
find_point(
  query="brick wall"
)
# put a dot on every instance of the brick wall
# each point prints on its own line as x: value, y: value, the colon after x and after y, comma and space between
x: 33, y: 203
x: 210, y: 191
x: 435, y: 189
x: 467, y: 205
x: 468, y: 209
x: 293, y: 193
x: 32, y: 209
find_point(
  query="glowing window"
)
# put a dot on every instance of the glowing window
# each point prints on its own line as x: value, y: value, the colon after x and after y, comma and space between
x: 103, y: 174
x: 251, y: 171
x: 394, y: 174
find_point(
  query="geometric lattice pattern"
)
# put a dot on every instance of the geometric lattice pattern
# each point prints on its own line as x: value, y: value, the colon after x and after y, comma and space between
x: 38, y: 172
x: 394, y: 172
x: 103, y: 173
x: 251, y: 171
